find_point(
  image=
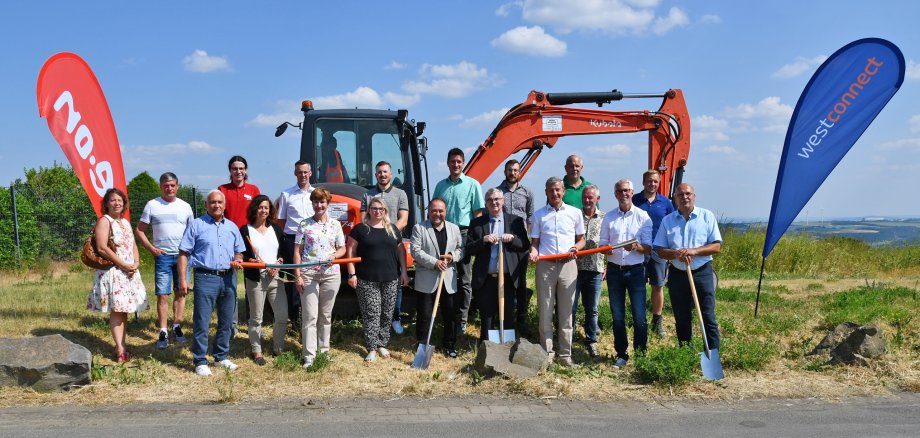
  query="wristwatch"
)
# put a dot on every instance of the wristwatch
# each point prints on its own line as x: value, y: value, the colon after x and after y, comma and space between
x: 350, y: 275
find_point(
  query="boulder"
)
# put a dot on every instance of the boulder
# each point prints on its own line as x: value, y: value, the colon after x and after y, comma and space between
x: 852, y: 344
x: 44, y: 363
x: 493, y: 358
x: 529, y: 355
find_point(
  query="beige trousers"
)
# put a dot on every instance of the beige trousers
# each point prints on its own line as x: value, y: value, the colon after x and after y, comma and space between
x: 319, y: 291
x: 556, y: 292
x: 258, y: 291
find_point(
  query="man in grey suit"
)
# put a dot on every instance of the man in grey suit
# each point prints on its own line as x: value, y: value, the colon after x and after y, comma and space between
x: 487, y: 235
x: 435, y: 245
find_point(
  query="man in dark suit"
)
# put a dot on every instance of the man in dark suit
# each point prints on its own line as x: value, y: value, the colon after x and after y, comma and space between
x: 487, y: 235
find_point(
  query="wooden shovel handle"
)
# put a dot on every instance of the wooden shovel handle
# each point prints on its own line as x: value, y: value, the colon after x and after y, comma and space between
x: 699, y: 313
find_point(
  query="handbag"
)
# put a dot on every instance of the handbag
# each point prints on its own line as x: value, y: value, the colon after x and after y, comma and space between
x: 90, y: 255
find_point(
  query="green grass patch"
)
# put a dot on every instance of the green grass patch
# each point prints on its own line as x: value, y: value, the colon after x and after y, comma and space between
x: 667, y: 365
x: 869, y: 305
x: 322, y: 360
x: 745, y: 354
x: 287, y: 361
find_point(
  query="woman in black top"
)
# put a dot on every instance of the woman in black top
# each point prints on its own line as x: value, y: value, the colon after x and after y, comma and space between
x: 379, y: 275
x: 262, y: 239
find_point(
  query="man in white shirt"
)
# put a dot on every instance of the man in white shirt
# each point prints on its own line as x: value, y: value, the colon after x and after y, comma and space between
x: 626, y: 269
x: 293, y: 207
x: 556, y: 228
x: 169, y: 216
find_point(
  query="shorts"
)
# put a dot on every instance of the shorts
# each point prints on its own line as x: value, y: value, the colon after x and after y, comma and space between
x: 166, y: 271
x: 656, y: 271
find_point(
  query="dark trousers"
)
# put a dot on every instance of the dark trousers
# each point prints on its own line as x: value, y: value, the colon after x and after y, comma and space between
x: 621, y: 282
x: 682, y: 302
x: 290, y: 288
x: 522, y: 297
x: 464, y: 278
x: 487, y: 299
x: 424, y: 306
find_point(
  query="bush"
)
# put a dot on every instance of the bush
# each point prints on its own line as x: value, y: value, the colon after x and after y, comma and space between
x: 667, y: 365
x: 747, y: 354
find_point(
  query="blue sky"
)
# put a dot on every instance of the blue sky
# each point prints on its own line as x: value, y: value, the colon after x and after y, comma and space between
x: 192, y: 83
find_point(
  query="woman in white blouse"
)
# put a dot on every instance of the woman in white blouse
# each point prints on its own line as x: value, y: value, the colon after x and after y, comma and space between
x: 262, y: 238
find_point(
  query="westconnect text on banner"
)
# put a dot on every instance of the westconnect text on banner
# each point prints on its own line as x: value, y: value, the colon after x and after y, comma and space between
x: 840, y: 101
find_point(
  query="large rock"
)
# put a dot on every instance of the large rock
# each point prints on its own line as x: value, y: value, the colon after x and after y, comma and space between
x: 493, y: 358
x: 852, y: 344
x: 529, y: 355
x: 45, y: 363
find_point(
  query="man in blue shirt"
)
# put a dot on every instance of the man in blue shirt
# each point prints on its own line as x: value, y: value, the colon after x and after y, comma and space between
x: 690, y: 236
x: 463, y: 196
x: 212, y: 245
x: 656, y: 270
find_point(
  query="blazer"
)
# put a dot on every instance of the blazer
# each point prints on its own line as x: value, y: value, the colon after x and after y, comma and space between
x: 516, y: 251
x: 424, y: 249
x: 253, y: 273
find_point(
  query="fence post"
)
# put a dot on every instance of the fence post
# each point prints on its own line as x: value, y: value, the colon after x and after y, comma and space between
x: 195, y: 201
x: 16, y: 224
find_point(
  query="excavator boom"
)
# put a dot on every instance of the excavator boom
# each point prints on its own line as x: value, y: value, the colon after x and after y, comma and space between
x: 543, y: 118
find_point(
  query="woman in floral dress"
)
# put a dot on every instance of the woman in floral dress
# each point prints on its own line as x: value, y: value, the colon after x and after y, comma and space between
x: 119, y: 289
x: 319, y: 239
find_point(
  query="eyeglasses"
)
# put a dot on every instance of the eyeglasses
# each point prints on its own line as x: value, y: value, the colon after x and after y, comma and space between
x: 495, y: 200
x: 624, y: 190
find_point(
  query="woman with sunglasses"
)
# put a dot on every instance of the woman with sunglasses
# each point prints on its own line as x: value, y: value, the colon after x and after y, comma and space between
x: 262, y: 239
x: 379, y: 275
x: 319, y: 240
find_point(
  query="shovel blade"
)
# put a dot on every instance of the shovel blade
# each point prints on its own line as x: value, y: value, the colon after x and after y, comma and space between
x: 422, y: 357
x: 496, y: 336
x: 712, y: 366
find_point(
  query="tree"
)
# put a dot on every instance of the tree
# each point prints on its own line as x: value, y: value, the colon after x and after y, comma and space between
x: 60, y: 207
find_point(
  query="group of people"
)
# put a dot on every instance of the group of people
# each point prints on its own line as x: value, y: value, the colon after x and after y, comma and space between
x: 456, y: 250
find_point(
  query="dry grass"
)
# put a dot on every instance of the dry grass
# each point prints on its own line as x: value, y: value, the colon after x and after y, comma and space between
x: 45, y: 303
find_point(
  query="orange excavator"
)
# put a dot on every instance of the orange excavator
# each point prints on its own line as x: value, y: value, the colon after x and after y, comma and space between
x: 543, y: 118
x: 348, y: 143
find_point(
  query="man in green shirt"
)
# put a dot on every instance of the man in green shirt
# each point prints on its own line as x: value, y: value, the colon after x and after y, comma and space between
x: 574, y: 183
x: 463, y: 196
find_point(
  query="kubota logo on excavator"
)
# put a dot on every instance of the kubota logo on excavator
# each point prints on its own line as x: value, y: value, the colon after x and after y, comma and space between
x: 606, y: 123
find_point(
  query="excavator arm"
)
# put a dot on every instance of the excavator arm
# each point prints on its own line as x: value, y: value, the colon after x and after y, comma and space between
x: 543, y: 118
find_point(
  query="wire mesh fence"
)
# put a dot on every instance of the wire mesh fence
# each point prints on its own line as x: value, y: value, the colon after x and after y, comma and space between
x: 53, y: 225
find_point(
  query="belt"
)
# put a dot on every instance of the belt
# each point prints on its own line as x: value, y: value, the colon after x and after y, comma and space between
x: 693, y: 270
x: 218, y: 272
x: 493, y: 274
x: 622, y: 267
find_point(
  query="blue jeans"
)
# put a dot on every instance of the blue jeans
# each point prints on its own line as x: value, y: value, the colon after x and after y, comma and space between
x: 213, y: 292
x: 682, y: 303
x: 588, y: 285
x: 619, y: 282
x: 166, y: 273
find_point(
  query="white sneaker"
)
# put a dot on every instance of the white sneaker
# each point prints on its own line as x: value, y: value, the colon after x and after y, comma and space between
x: 203, y: 370
x: 227, y: 364
x: 307, y: 363
x: 397, y: 327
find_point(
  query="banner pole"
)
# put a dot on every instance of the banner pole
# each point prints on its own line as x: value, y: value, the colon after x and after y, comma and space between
x: 757, y: 301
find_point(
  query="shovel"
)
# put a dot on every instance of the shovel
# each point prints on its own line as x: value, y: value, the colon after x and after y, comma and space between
x: 423, y: 355
x: 501, y: 334
x: 709, y: 359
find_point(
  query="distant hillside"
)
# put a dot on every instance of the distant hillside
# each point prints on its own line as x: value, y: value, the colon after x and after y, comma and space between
x: 874, y: 231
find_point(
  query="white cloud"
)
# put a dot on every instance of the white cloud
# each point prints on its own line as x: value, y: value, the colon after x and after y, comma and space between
x: 393, y: 65
x: 506, y: 8
x: 152, y: 157
x: 530, y: 41
x: 615, y: 17
x: 769, y: 115
x: 913, y: 70
x: 675, y: 18
x: 724, y: 150
x: 452, y: 80
x: 710, y: 19
x: 361, y: 97
x: 401, y: 100
x: 799, y: 66
x: 614, y: 151
x: 200, y: 62
x: 914, y: 123
x: 487, y: 119
x: 707, y: 127
x: 909, y: 144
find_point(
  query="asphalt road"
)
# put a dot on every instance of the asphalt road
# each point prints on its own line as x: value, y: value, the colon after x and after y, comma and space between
x: 893, y: 416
